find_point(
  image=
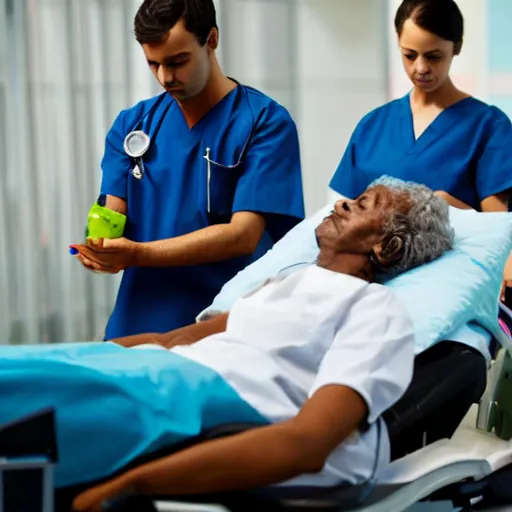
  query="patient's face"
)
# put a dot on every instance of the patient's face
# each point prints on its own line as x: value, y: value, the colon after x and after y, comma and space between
x: 357, y: 226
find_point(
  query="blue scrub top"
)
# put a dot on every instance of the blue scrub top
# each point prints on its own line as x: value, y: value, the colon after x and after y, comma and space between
x: 254, y: 140
x: 466, y: 151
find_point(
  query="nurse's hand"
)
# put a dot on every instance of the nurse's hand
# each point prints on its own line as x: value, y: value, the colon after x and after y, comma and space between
x: 107, y: 255
x: 93, y: 267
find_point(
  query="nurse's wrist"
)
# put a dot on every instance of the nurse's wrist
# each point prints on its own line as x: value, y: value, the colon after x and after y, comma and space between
x: 151, y: 254
x: 140, y: 255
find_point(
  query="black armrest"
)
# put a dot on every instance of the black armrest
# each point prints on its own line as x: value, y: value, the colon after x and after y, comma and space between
x: 448, y: 378
x: 30, y: 436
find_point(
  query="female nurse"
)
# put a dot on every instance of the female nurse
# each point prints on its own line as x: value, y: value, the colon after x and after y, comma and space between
x: 436, y: 134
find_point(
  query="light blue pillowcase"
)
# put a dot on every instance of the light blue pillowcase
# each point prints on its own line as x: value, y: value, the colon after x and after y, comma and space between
x: 447, y: 296
x: 452, y: 298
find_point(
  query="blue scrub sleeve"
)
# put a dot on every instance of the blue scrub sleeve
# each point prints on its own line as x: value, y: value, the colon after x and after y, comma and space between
x: 116, y: 164
x: 271, y: 182
x: 345, y: 180
x: 494, y: 167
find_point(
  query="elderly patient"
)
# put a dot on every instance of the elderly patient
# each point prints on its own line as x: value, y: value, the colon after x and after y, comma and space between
x: 318, y: 354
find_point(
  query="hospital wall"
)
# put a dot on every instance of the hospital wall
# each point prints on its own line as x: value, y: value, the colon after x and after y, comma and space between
x: 68, y: 66
x: 342, y: 74
x: 325, y: 60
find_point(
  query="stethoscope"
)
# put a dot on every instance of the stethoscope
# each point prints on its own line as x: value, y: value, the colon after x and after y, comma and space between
x: 137, y: 143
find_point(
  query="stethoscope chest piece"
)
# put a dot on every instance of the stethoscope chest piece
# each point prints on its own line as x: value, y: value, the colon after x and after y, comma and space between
x: 136, y: 144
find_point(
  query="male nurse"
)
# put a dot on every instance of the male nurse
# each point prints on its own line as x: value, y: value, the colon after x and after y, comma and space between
x: 207, y: 175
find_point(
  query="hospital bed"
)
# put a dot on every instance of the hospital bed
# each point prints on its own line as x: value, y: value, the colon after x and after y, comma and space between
x: 441, y: 441
x: 450, y: 433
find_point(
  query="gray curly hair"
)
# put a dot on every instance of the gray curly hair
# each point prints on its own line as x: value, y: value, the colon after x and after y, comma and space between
x: 424, y: 233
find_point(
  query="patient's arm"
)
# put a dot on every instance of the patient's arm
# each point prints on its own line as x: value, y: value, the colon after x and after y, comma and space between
x: 259, y: 457
x: 183, y: 336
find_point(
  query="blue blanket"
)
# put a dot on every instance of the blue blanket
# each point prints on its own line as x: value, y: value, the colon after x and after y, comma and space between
x: 114, y: 404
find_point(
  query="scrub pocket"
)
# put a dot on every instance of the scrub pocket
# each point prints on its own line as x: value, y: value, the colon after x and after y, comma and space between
x: 221, y: 184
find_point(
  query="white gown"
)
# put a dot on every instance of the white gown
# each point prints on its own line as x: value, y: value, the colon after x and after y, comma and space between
x: 309, y: 329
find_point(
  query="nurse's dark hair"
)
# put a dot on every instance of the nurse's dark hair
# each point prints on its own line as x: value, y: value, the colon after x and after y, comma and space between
x: 419, y: 236
x: 155, y: 18
x: 441, y: 17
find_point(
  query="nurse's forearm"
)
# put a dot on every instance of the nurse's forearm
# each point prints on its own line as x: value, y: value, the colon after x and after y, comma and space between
x: 215, y: 243
x: 453, y: 201
x: 457, y: 203
x: 495, y: 203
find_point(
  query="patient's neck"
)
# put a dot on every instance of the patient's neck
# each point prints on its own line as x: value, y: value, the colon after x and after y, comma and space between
x: 357, y: 265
